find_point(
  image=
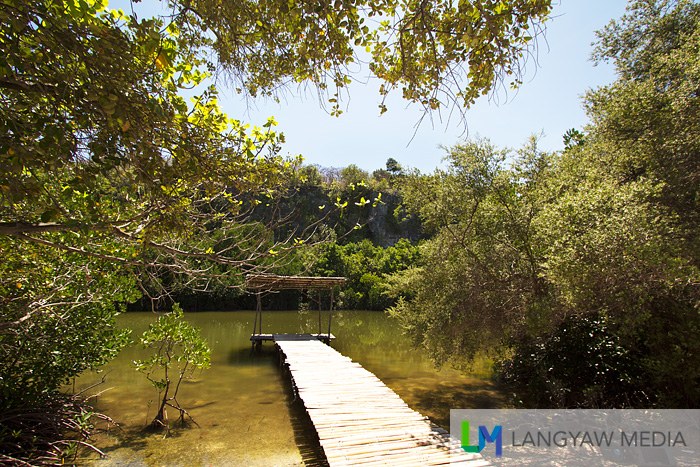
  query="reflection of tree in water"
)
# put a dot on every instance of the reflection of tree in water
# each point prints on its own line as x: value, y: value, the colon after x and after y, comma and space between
x: 264, y: 355
x: 436, y: 402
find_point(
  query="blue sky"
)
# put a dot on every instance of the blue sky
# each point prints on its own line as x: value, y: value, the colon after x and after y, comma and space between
x: 548, y: 101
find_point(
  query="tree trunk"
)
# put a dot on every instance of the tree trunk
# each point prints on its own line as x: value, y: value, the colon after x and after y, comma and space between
x: 159, y: 420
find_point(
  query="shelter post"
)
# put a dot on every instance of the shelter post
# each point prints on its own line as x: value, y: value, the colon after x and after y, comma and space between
x: 330, y: 314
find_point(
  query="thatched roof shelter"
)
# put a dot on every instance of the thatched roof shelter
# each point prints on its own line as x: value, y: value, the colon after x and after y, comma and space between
x: 274, y: 282
x: 270, y: 282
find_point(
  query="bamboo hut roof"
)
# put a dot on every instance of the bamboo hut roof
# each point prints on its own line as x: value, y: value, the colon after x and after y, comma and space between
x: 274, y: 282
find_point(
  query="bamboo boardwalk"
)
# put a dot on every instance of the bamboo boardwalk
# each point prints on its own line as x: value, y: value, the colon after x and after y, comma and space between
x: 359, y: 420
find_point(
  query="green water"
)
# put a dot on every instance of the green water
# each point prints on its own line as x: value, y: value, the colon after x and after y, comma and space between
x: 244, y: 403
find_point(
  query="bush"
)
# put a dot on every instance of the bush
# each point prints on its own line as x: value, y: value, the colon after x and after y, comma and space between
x: 179, y: 350
x: 581, y: 364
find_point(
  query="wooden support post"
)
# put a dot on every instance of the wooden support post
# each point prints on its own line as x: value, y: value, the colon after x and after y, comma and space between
x: 260, y: 312
x: 330, y: 317
x: 255, y: 321
x: 319, y: 312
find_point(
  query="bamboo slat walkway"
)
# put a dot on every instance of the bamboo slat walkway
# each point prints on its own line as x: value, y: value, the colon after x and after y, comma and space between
x: 359, y: 420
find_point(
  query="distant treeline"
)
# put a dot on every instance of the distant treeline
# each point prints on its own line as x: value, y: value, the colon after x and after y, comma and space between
x: 367, y: 243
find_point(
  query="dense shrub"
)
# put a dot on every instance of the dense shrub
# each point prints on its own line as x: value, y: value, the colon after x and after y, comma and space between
x: 579, y: 364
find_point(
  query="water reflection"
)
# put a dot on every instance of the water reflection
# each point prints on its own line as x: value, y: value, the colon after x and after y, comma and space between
x: 244, y: 403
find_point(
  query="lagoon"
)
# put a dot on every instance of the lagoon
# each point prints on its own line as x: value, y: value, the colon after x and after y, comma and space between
x: 244, y: 403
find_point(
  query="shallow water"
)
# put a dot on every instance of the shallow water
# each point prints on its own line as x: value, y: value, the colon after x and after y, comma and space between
x: 243, y: 403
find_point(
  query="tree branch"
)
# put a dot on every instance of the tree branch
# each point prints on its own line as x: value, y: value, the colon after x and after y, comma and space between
x: 16, y: 85
x: 77, y: 250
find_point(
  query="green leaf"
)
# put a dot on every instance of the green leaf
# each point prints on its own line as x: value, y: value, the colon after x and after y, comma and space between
x: 48, y: 215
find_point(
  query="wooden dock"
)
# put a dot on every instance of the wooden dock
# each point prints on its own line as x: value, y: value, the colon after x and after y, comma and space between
x: 359, y: 420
